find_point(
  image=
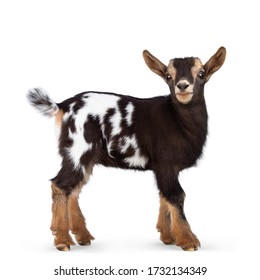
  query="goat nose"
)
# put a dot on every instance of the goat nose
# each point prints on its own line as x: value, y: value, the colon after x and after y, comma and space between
x: 182, y: 85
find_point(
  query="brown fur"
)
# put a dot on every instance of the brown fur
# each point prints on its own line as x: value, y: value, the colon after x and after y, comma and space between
x: 215, y: 62
x: 60, y: 219
x: 77, y: 222
x: 172, y: 70
x: 196, y: 68
x: 59, y: 117
x: 181, y: 230
x: 174, y: 229
x: 66, y: 212
x: 164, y: 223
x: 154, y: 64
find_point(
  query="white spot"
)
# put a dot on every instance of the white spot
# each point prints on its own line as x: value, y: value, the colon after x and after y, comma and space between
x: 129, y: 117
x: 99, y: 104
x: 126, y: 142
x: 79, y: 147
x: 69, y: 113
x: 137, y: 160
x: 115, y: 121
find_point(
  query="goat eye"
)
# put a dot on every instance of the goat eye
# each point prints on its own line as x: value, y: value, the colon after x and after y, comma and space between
x: 168, y: 77
x: 201, y: 74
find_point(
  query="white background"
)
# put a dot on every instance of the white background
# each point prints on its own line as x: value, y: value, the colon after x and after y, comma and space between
x: 71, y: 46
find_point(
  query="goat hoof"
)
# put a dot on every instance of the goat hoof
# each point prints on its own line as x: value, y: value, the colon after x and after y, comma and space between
x: 166, y: 238
x: 84, y: 242
x: 63, y: 247
x: 191, y: 246
x: 167, y: 241
x: 191, y: 249
x: 189, y: 243
x: 84, y: 239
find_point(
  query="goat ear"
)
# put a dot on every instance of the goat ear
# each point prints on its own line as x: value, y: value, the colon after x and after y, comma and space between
x: 154, y: 64
x: 215, y: 62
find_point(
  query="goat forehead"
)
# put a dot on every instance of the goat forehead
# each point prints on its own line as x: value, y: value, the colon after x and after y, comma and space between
x: 183, y: 63
x: 182, y: 67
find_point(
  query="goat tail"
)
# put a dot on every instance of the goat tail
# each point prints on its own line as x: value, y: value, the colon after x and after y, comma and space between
x: 40, y: 100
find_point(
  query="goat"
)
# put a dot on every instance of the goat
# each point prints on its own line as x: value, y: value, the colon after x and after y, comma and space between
x: 165, y: 134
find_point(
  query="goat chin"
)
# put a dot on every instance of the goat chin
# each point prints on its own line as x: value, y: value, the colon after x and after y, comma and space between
x: 184, y: 98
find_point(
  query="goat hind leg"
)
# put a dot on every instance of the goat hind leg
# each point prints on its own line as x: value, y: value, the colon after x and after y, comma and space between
x: 60, y: 219
x: 77, y: 221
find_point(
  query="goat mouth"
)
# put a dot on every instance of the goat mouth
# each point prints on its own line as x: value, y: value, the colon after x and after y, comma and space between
x: 184, y: 97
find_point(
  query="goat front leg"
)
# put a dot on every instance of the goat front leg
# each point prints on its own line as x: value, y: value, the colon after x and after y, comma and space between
x: 172, y: 222
x: 179, y: 227
x: 164, y: 222
x: 60, y: 219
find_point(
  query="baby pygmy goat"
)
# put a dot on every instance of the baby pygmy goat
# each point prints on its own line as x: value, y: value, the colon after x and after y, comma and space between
x: 165, y: 134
